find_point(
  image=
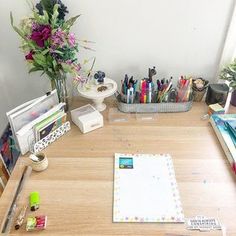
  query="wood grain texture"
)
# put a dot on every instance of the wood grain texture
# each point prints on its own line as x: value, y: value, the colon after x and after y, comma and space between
x: 77, y: 188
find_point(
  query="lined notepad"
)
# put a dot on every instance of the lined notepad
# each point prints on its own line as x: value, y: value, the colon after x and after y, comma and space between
x: 145, y: 189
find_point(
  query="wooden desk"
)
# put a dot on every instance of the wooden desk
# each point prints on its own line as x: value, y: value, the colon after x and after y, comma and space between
x: 77, y: 189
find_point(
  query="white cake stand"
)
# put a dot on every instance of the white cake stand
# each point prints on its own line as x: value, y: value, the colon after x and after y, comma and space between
x: 92, y: 92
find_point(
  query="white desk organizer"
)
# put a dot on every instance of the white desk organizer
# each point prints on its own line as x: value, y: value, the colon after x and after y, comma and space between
x: 87, y: 118
x: 50, y: 138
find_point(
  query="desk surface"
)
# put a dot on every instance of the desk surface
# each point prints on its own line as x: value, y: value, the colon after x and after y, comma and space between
x: 77, y: 189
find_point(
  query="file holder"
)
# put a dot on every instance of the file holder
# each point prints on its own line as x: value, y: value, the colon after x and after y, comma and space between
x: 52, y: 137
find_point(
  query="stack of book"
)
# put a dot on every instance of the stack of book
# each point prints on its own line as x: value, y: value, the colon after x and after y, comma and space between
x: 225, y: 128
x: 34, y: 120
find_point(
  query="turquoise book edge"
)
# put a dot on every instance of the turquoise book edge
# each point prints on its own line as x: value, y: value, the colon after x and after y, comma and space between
x: 231, y: 125
x: 225, y: 136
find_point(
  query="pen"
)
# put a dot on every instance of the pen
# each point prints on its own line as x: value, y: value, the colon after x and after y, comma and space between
x: 122, y: 87
x: 21, y: 217
x: 128, y: 95
x: 150, y: 92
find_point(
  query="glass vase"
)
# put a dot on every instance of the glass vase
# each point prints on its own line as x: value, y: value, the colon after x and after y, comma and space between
x: 59, y: 83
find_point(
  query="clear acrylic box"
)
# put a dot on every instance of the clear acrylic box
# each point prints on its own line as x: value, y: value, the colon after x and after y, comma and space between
x: 114, y: 115
x: 146, y: 116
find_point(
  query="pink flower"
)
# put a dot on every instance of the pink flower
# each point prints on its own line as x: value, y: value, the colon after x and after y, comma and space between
x: 29, y: 56
x: 58, y: 37
x: 69, y: 62
x: 78, y: 79
x: 77, y: 67
x: 71, y: 39
x: 41, y: 34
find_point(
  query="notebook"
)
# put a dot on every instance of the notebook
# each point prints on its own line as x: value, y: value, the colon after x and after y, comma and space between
x: 225, y: 136
x: 145, y: 189
x: 43, y: 128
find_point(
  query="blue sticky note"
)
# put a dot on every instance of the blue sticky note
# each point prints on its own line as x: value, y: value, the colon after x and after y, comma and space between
x: 126, y: 163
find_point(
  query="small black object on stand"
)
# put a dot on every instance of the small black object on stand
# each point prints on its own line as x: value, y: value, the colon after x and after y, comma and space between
x: 151, y: 73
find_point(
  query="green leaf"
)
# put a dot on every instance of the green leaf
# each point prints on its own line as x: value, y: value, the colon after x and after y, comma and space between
x: 35, y: 69
x: 50, y: 75
x: 58, y: 52
x: 42, y: 73
x: 67, y: 68
x: 16, y: 29
x: 55, y: 15
x: 67, y: 25
x: 46, y: 17
x: 41, y: 19
x: 47, y: 7
x: 55, y: 8
x: 11, y: 17
x: 54, y: 63
x: 49, y: 60
x: 40, y: 59
x: 232, y: 84
x: 44, y: 52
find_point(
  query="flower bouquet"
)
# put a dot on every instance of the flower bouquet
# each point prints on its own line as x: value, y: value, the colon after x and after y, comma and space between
x: 49, y: 46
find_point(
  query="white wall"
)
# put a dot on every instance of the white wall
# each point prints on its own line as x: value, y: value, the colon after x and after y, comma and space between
x: 179, y: 37
x: 16, y: 85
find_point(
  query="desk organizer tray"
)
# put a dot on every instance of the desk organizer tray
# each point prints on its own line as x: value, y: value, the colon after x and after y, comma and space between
x: 137, y: 107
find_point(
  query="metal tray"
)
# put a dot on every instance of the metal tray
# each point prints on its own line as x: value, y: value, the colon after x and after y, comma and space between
x: 152, y: 107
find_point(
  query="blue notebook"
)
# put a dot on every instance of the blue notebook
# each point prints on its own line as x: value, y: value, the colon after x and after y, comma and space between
x: 231, y: 126
x: 226, y: 136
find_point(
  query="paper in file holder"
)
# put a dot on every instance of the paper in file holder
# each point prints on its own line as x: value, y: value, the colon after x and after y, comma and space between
x: 24, y: 118
x: 51, y: 137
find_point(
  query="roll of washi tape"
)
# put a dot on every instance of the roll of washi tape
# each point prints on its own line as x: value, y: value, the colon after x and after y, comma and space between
x: 39, y: 161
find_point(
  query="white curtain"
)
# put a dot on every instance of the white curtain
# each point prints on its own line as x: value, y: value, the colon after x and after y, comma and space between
x: 229, y: 49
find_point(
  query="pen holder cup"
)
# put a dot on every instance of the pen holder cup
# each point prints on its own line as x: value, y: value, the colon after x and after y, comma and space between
x: 184, y: 94
x: 128, y: 98
x: 147, y: 95
x: 198, y: 95
x: 41, y: 164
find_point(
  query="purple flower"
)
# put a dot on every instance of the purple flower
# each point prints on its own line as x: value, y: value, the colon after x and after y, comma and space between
x: 41, y: 34
x: 71, y: 39
x: 29, y: 56
x: 58, y: 38
x: 35, y: 26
